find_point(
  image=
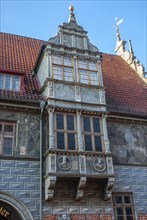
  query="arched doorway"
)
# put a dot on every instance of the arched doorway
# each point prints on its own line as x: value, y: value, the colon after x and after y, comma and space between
x: 13, y: 209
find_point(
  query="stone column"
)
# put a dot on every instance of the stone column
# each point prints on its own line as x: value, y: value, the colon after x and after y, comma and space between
x: 79, y: 129
x: 106, y: 140
x: 51, y: 128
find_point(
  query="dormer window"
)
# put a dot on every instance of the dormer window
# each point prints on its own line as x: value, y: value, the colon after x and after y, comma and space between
x: 62, y: 68
x: 9, y: 82
x: 88, y: 72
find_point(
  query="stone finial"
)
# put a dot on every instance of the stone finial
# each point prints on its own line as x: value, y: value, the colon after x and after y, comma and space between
x: 71, y: 17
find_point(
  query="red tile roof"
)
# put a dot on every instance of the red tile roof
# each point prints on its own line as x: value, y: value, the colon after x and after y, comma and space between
x: 125, y: 90
x: 18, y: 54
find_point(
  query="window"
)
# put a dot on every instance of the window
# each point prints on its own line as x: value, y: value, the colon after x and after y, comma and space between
x: 65, y: 129
x: 123, y: 206
x: 7, y: 134
x: 62, y: 68
x: 92, y: 133
x: 9, y: 82
x: 88, y: 72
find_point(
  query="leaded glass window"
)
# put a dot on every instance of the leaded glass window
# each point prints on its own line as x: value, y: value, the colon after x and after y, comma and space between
x: 62, y: 68
x: 123, y: 206
x: 65, y: 129
x: 9, y: 82
x: 7, y: 138
x: 92, y: 133
x: 88, y: 72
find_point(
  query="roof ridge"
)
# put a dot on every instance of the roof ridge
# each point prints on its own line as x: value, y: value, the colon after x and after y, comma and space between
x: 16, y: 35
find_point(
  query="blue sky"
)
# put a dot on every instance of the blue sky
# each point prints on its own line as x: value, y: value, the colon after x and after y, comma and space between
x: 40, y: 19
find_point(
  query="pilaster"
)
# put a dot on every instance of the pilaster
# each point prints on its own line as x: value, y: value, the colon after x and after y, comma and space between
x: 51, y: 128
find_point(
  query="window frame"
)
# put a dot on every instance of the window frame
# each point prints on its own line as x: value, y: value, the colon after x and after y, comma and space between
x: 63, y: 66
x: 4, y: 85
x: 6, y: 134
x: 123, y: 205
x: 87, y: 70
x: 92, y: 133
x: 65, y: 131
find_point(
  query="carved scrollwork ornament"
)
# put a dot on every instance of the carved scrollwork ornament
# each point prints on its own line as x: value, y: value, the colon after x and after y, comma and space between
x: 99, y: 164
x: 64, y: 163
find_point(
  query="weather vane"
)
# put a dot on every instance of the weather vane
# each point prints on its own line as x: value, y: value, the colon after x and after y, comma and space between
x: 118, y: 22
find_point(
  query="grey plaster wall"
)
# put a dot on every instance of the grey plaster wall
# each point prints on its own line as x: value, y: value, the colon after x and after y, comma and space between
x: 20, y: 179
x: 128, y: 142
x: 64, y: 199
x: 132, y: 179
x: 27, y: 132
x: 43, y: 70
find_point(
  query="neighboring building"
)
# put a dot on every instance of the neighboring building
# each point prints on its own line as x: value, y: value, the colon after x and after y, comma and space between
x: 66, y: 150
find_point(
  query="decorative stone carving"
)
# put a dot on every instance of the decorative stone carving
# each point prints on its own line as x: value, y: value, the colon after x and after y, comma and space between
x: 51, y: 89
x: 108, y: 189
x: 82, y: 163
x: 50, y: 183
x: 102, y: 97
x: 80, y: 188
x: 77, y: 93
x: 64, y: 163
x: 99, y: 164
x: 51, y: 141
x: 107, y: 147
x: 109, y: 165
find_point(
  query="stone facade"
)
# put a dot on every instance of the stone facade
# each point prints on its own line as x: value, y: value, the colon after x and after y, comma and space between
x: 20, y: 180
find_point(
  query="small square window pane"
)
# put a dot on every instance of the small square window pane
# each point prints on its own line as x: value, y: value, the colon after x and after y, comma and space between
x: 70, y: 122
x: 8, y: 128
x: 129, y: 217
x: 59, y: 121
x: 127, y: 199
x: 71, y: 141
x: 118, y: 199
x: 83, y: 76
x: 93, y: 78
x: 88, y: 142
x: 86, y: 121
x: 60, y: 140
x: 96, y: 125
x: 119, y: 211
x: 15, y: 84
x: 128, y: 211
x: 8, y: 82
x: 57, y: 70
x: 67, y: 61
x: 98, y: 144
x: 82, y: 64
x: 68, y: 74
x: 57, y: 60
x: 1, y: 81
x: 7, y: 148
x: 120, y: 218
x: 92, y: 65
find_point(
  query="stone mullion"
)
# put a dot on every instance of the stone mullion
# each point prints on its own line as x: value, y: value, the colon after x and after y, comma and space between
x: 51, y: 128
x: 49, y: 64
x: 79, y: 129
x: 106, y: 140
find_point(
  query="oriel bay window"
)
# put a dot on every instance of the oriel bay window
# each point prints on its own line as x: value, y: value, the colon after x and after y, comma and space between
x: 123, y: 206
x: 92, y: 133
x: 62, y: 68
x: 7, y: 138
x: 65, y: 129
x: 88, y: 72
